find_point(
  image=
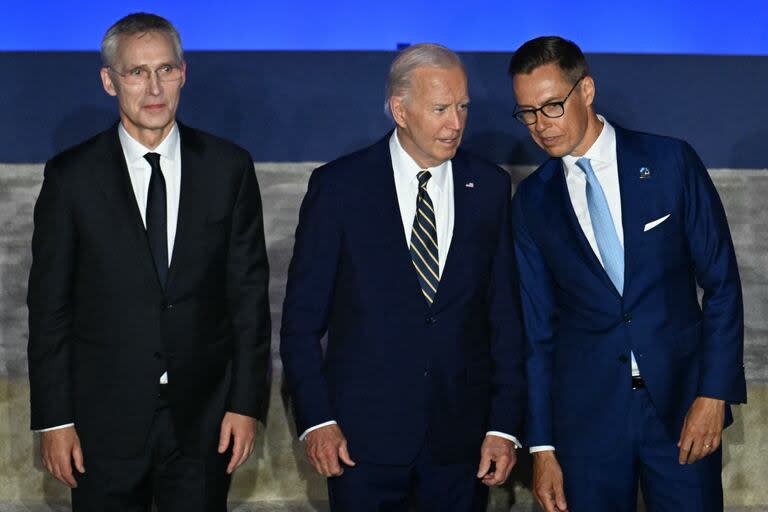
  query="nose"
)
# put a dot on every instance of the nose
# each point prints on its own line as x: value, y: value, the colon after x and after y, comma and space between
x: 542, y: 122
x: 455, y: 120
x: 153, y: 84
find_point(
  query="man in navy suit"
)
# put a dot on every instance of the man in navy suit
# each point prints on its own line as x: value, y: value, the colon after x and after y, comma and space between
x: 630, y: 377
x: 404, y: 257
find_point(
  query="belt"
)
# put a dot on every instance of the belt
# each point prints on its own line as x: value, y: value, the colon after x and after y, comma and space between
x: 637, y: 382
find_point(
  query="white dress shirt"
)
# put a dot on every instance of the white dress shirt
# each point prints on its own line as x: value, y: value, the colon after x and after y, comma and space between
x: 440, y: 190
x: 139, y: 172
x: 602, y: 157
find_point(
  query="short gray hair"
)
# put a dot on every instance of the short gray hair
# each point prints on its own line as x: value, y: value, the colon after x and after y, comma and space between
x: 138, y: 23
x: 417, y: 56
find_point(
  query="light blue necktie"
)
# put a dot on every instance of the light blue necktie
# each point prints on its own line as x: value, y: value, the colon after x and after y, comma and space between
x: 611, y: 251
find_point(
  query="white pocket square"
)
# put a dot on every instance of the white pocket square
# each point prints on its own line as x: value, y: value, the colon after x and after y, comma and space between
x: 655, y: 223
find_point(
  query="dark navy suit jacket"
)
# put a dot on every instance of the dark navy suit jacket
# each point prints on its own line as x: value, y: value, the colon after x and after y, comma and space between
x: 580, y: 329
x: 398, y: 373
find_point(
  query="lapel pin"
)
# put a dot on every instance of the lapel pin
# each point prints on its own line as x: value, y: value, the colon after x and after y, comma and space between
x: 645, y: 173
x: 471, y: 184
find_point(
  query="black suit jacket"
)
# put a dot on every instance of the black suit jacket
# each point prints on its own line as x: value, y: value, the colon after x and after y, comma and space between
x: 102, y: 330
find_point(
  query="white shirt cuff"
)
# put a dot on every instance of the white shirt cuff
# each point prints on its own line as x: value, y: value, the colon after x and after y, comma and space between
x: 310, y: 429
x: 541, y: 448
x: 55, y: 428
x: 505, y: 436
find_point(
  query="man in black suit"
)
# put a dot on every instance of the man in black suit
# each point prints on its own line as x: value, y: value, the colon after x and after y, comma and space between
x: 148, y: 306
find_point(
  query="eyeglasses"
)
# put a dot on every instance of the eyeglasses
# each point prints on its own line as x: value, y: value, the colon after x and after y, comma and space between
x: 141, y: 75
x: 553, y: 109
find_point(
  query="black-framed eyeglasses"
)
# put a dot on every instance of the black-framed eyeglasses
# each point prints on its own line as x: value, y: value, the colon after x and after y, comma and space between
x: 553, y: 109
x: 141, y: 75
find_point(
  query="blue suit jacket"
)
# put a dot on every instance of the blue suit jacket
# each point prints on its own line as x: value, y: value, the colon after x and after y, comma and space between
x: 580, y: 330
x: 397, y: 372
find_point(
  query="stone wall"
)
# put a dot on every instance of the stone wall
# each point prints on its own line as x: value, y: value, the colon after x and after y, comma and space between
x: 278, y: 472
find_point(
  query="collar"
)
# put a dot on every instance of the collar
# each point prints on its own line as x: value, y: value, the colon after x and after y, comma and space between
x: 603, y: 150
x: 407, y: 170
x: 135, y: 150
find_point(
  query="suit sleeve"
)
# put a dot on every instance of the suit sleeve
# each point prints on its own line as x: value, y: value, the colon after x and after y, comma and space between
x: 311, y: 280
x: 539, y: 319
x: 49, y: 299
x: 507, y: 344
x: 248, y: 295
x: 717, y: 273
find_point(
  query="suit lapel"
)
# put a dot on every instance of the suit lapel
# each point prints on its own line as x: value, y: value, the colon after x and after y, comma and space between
x: 115, y: 183
x: 192, y: 199
x: 557, y: 201
x: 633, y: 203
x: 462, y: 174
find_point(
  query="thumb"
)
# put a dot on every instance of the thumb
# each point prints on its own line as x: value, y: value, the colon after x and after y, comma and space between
x: 77, y: 456
x: 344, y: 454
x: 226, y: 431
x: 485, y: 465
x: 560, y: 498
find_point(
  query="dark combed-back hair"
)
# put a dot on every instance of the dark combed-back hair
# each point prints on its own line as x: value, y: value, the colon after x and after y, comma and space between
x: 549, y: 50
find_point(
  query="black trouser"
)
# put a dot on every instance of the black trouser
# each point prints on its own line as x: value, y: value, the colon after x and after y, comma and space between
x: 161, y: 474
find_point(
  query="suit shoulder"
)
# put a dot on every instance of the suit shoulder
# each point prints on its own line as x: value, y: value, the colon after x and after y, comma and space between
x: 651, y: 142
x: 72, y: 159
x: 536, y: 179
x: 220, y: 145
x: 349, y: 166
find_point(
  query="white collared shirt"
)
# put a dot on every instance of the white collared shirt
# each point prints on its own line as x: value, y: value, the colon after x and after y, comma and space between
x: 440, y: 190
x: 140, y: 171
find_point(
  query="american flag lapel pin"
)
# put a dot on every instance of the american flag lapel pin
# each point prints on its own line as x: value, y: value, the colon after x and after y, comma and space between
x: 470, y: 184
x: 645, y: 173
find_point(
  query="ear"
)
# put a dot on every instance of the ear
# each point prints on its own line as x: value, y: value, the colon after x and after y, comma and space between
x: 106, y: 81
x: 588, y: 90
x: 399, y: 111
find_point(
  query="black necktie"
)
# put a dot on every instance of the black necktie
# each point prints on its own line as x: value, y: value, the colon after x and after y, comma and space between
x: 157, y: 218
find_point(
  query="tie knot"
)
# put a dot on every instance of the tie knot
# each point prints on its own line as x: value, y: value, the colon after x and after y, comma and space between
x: 585, y: 165
x: 153, y: 159
x: 423, y: 178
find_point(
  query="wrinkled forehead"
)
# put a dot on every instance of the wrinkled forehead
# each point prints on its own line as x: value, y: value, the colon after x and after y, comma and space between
x: 146, y: 48
x: 439, y: 81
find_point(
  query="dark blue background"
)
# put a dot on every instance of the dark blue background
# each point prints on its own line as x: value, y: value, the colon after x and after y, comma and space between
x: 315, y: 106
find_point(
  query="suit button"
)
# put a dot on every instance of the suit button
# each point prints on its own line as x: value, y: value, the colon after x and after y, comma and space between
x: 627, y: 318
x: 623, y: 359
x: 431, y: 320
x: 426, y: 373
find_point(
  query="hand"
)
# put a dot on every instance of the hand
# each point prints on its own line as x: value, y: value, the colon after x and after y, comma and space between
x: 702, y: 428
x: 243, y: 429
x: 548, y: 482
x: 325, y: 446
x: 59, y: 448
x: 501, y: 452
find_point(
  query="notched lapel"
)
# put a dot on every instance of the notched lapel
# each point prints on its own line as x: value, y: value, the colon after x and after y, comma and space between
x: 115, y: 183
x: 193, y: 195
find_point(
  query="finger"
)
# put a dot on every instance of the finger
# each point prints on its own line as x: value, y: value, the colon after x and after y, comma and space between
x: 246, y: 453
x: 562, y: 505
x: 237, y: 454
x: 226, y: 433
x: 344, y: 455
x: 716, y: 443
x: 485, y: 465
x: 696, y: 451
x: 685, y: 448
x: 77, y: 456
x: 64, y: 471
x: 503, y: 468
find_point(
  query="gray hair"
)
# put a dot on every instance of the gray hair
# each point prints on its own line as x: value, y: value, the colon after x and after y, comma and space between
x: 138, y: 23
x: 399, y: 80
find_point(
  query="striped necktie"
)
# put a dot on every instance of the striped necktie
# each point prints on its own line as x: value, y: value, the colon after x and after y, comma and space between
x: 424, y: 253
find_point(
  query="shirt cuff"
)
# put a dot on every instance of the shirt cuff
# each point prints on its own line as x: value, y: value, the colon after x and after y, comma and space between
x: 310, y: 429
x: 55, y: 428
x: 541, y: 448
x: 505, y: 436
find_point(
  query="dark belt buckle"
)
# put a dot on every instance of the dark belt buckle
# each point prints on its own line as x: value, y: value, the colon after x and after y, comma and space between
x: 637, y: 382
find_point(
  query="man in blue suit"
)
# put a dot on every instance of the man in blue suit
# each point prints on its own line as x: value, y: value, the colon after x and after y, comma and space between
x: 404, y: 256
x: 629, y: 376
